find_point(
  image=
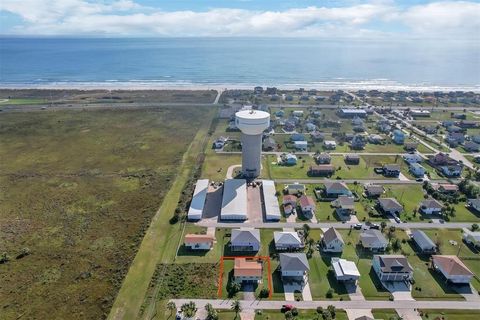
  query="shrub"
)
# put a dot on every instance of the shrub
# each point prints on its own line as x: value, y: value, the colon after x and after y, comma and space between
x: 329, y: 294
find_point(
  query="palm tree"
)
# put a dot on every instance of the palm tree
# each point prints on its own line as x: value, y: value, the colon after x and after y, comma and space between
x: 171, y: 306
x: 237, y: 307
x: 189, y: 309
x: 211, y: 312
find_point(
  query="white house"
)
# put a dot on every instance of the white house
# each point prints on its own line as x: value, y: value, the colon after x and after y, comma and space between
x: 392, y: 268
x: 329, y: 144
x: 431, y: 206
x: 452, y: 268
x: 471, y: 237
x: 423, y: 242
x: 345, y: 270
x: 199, y: 241
x: 301, y: 145
x: 294, y: 265
x: 297, y: 113
x: 287, y: 240
x: 245, y: 239
x: 474, y: 204
x: 332, y: 241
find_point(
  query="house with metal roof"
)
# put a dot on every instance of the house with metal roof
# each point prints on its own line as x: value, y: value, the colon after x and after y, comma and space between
x: 332, y: 241
x: 423, y: 242
x: 345, y: 270
x: 471, y: 237
x: 335, y: 189
x: 294, y: 266
x: 245, y: 239
x: 373, y: 240
x: 392, y: 268
x: 287, y: 240
x: 417, y: 170
x: 452, y: 268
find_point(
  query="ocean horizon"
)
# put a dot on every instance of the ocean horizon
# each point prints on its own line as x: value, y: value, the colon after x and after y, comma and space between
x: 191, y: 63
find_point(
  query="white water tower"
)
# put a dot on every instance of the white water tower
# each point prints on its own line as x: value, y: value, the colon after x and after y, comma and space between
x: 252, y: 123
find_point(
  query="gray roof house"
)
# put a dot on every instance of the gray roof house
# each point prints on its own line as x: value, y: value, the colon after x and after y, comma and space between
x: 336, y: 189
x: 373, y: 240
x: 332, y: 241
x: 287, y: 240
x: 345, y: 206
x: 245, y: 239
x: 390, y: 205
x: 423, y: 242
x: 392, y: 267
x: 431, y: 206
x: 373, y: 190
x: 294, y: 265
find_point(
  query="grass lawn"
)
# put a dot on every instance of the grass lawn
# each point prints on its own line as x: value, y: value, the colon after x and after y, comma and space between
x: 384, y: 314
x: 450, y: 314
x: 321, y: 279
x: 79, y: 189
x: 19, y: 101
x: 407, y: 195
x: 215, y: 165
x: 212, y: 256
x: 302, y: 315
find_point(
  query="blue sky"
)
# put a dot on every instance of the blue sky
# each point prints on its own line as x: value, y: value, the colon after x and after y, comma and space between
x: 274, y: 18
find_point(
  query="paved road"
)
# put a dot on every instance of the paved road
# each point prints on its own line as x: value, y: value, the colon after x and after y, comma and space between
x: 384, y: 181
x: 219, y: 94
x: 369, y: 304
x: 337, y: 225
x: 359, y: 152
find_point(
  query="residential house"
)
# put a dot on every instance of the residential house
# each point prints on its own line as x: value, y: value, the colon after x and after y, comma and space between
x: 452, y: 268
x: 287, y: 240
x: 358, y: 129
x: 345, y: 270
x: 300, y: 145
x: 307, y: 204
x: 310, y: 127
x: 390, y: 206
x: 391, y: 170
x: 322, y: 158
x: 376, y: 139
x: 258, y: 90
x: 475, y: 138
x: 445, y: 188
x: 345, y: 206
x: 280, y: 113
x: 321, y: 170
x: 352, y: 113
x: 392, y: 268
x: 430, y: 129
x: 356, y: 121
x: 419, y: 113
x: 441, y: 159
x: 430, y: 206
x: 471, y: 146
x: 329, y: 144
x: 373, y: 240
x: 455, y: 138
x: 398, y: 136
x: 289, y: 204
x: 373, y: 190
x: 471, y: 237
x: 317, y: 136
x: 417, y: 170
x: 269, y: 144
x: 332, y: 241
x: 199, y: 241
x: 447, y: 123
x: 474, y: 204
x: 412, y: 158
x: 297, y: 113
x: 452, y: 170
x: 245, y: 239
x: 454, y: 129
x: 352, y: 158
x: 335, y: 189
x: 247, y: 270
x: 423, y: 242
x: 297, y: 137
x: 295, y: 188
x: 461, y: 116
x: 410, y: 146
x: 358, y: 142
x: 294, y: 266
x: 467, y: 124
x: 384, y: 126
x: 288, y: 159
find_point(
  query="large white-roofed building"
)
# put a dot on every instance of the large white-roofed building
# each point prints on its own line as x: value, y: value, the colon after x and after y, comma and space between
x: 234, y: 201
x: 198, y: 200
x: 272, y: 209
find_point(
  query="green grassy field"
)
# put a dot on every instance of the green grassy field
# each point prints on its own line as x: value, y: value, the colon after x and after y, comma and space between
x: 20, y: 101
x: 80, y: 189
x: 450, y: 314
x: 302, y: 315
x: 384, y: 314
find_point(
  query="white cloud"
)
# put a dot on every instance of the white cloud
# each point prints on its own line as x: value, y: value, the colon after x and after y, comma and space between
x: 125, y: 17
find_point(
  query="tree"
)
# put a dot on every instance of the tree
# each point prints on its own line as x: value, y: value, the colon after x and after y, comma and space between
x: 331, y: 309
x: 212, y: 314
x: 396, y: 245
x: 189, y: 309
x: 474, y: 227
x: 236, y: 307
x: 306, y: 231
x: 319, y: 312
x: 288, y: 315
x: 171, y: 306
x: 383, y: 225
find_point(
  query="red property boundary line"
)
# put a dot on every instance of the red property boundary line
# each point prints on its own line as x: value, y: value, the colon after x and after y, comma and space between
x: 263, y: 258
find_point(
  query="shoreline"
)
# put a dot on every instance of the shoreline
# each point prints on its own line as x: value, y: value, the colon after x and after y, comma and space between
x: 188, y: 86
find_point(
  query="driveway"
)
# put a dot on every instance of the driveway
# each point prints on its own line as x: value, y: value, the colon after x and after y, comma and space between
x: 248, y: 292
x: 290, y: 288
x: 357, y: 313
x: 408, y: 314
x: 354, y: 292
x: 254, y: 205
x: 399, y: 290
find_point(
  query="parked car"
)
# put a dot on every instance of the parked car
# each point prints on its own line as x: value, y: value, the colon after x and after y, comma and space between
x: 397, y: 219
x: 357, y: 226
x: 419, y: 179
x: 287, y: 307
x: 374, y: 226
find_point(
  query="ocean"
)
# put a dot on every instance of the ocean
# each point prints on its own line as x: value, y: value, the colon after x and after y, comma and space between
x: 239, y: 62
